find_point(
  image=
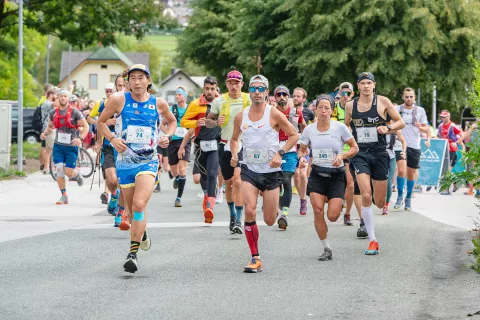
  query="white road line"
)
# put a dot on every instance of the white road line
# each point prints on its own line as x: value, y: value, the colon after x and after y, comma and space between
x: 167, y: 225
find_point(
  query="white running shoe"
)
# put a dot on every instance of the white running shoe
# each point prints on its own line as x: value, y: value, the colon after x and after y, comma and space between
x: 219, y: 198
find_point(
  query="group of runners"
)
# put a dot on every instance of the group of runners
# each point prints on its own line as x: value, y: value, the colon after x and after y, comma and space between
x: 343, y: 152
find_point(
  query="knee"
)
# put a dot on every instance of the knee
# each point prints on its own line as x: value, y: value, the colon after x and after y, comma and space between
x: 139, y: 204
x: 333, y: 217
x: 196, y: 178
x: 366, y: 197
x: 270, y: 221
x: 318, y: 214
x: 350, y: 187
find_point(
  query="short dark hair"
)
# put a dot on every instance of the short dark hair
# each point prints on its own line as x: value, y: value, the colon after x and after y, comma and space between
x: 408, y: 89
x: 303, y: 90
x: 210, y: 80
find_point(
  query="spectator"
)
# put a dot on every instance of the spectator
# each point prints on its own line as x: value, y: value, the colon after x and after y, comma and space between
x: 47, y: 143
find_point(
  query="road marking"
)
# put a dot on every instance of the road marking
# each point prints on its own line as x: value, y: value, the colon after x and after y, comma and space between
x: 156, y: 225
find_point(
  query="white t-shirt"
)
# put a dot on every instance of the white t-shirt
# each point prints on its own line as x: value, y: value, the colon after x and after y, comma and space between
x: 410, y: 132
x: 328, y: 143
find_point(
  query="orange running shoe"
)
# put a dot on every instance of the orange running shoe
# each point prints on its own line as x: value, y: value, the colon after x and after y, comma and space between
x: 208, y: 214
x: 254, y: 266
x: 63, y: 200
x: 468, y: 193
x: 125, y: 224
x: 372, y: 248
x: 205, y: 199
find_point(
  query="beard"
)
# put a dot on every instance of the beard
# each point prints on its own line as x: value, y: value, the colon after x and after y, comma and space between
x: 282, y: 103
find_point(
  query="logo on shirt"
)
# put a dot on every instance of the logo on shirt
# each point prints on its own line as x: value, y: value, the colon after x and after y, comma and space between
x: 245, y: 126
x: 260, y: 126
x: 135, y: 105
x: 373, y: 120
x: 151, y: 106
x: 137, y: 112
x: 358, y: 122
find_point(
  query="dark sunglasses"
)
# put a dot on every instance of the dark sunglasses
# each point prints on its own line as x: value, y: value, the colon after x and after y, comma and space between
x: 282, y: 94
x: 254, y: 89
x: 345, y: 93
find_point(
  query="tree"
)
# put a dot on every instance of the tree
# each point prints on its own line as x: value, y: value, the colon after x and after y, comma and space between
x: 83, y: 22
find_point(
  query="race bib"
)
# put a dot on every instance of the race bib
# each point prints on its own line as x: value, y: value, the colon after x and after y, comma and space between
x: 209, y: 145
x: 323, y: 157
x: 227, y: 146
x: 180, y: 132
x: 282, y: 143
x: 398, y: 146
x: 257, y: 156
x: 367, y: 135
x: 139, y: 134
x: 65, y: 138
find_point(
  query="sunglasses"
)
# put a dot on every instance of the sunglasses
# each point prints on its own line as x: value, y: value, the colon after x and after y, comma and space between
x: 345, y: 93
x: 282, y: 94
x: 108, y: 91
x: 254, y: 89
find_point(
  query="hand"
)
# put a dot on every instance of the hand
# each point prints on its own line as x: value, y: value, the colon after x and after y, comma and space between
x: 382, y: 129
x: 111, y: 122
x: 221, y: 120
x: 427, y: 143
x: 418, y: 125
x: 338, y: 160
x: 302, y: 162
x: 76, y: 142
x: 97, y: 147
x: 201, y: 122
x: 181, y: 152
x: 234, y: 161
x: 119, y: 145
x: 163, y: 142
x: 276, y: 161
x: 43, y: 136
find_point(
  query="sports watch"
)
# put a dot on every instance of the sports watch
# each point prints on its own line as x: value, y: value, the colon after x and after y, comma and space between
x: 281, y: 152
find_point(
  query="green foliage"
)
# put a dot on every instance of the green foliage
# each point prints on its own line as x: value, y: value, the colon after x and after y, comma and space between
x: 30, y: 150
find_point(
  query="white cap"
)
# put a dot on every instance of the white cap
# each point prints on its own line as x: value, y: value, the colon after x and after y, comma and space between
x: 346, y: 85
x: 110, y: 86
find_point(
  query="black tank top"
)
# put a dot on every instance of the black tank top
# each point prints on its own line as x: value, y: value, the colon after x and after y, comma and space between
x: 364, y: 127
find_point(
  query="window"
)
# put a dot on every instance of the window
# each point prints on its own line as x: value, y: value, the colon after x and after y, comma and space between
x: 74, y: 82
x: 104, y: 66
x: 113, y: 77
x: 92, y: 81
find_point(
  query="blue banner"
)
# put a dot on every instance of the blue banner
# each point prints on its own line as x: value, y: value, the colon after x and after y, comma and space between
x: 433, y: 162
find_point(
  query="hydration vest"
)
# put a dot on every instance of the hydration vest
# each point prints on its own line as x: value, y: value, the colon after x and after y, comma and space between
x: 225, y: 109
x: 67, y: 119
x: 414, y: 112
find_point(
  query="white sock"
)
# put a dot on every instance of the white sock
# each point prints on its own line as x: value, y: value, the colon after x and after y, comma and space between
x: 325, y: 243
x: 367, y: 214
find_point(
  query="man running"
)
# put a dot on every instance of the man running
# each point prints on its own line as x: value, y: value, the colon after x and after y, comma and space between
x: 328, y: 180
x: 262, y: 156
x: 178, y: 166
x: 367, y: 116
x: 67, y: 121
x: 224, y: 109
x: 300, y: 175
x: 135, y: 141
x: 416, y: 122
x: 206, y: 144
x: 295, y: 117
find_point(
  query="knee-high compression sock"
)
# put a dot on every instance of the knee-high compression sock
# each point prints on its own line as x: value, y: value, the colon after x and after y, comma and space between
x: 251, y: 233
x: 410, y: 185
x: 400, y: 185
x: 367, y: 214
x: 239, y: 210
x: 181, y: 185
x: 231, y: 207
x: 287, y: 186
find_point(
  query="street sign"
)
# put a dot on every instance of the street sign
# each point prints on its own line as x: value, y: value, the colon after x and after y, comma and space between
x: 433, y: 162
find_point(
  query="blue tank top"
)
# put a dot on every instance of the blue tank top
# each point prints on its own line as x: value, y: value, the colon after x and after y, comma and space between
x: 137, y: 126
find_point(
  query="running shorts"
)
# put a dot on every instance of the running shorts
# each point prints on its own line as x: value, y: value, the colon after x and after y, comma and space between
x: 413, y: 158
x: 374, y: 163
x: 225, y: 157
x: 291, y: 162
x: 65, y: 154
x: 453, y: 158
x: 172, y: 151
x: 109, y: 157
x: 162, y: 151
x: 128, y: 172
x: 262, y: 181
x: 331, y: 187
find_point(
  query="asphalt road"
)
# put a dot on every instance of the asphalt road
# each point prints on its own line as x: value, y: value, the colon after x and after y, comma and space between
x: 194, y: 271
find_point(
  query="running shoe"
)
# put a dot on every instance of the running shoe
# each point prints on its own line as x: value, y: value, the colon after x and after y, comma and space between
x: 125, y: 224
x: 205, y: 200
x: 454, y: 187
x: 385, y: 211
x: 208, y: 214
x: 200, y: 195
x: 282, y: 222
x: 232, y: 223
x: 399, y: 203
x: 445, y: 193
x: 254, y: 266
x: 417, y: 188
x: 362, y: 231
x: 113, y: 203
x: 104, y: 198
x: 131, y: 264
x: 79, y: 179
x: 468, y: 193
x: 219, y: 198
x: 372, y: 248
x: 429, y: 188
x: 175, y: 182
x: 178, y: 202
x: 303, y: 207
x: 63, y: 200
x: 157, y: 188
x: 146, y: 243
x: 238, y: 228
x: 346, y: 220
x: 408, y: 204
x: 326, y: 255
x: 294, y: 190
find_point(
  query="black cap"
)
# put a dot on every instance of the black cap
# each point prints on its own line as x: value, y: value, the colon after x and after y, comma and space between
x: 365, y: 75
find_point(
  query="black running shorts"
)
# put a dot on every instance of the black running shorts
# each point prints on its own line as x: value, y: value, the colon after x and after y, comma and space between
x: 172, y: 151
x: 108, y: 157
x: 374, y: 163
x: 356, y: 188
x: 331, y: 187
x: 413, y: 158
x: 225, y: 157
x: 162, y: 151
x: 262, y: 181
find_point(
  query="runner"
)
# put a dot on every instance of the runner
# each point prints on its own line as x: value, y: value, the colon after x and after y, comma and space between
x: 328, y: 180
x: 206, y: 143
x: 224, y: 109
x: 396, y: 145
x: 135, y: 140
x: 300, y: 175
x: 67, y: 121
x: 178, y: 166
x: 367, y: 117
x: 416, y: 122
x: 295, y: 117
x: 261, y: 170
x: 448, y: 130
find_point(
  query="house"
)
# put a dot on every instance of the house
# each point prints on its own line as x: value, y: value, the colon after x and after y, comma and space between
x: 177, y: 78
x: 91, y: 71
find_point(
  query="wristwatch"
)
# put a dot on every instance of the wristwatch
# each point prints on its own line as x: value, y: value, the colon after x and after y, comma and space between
x: 169, y: 137
x: 389, y: 127
x: 281, y: 152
